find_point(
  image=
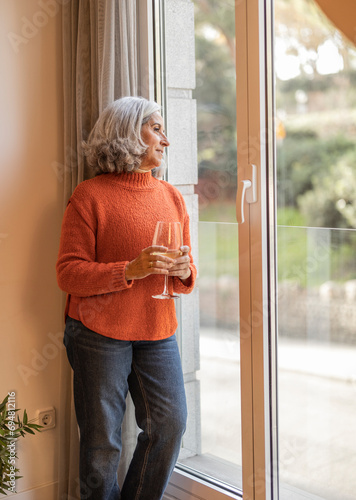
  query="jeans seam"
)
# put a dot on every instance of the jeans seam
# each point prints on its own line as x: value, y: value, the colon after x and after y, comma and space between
x: 144, y: 466
x: 80, y: 383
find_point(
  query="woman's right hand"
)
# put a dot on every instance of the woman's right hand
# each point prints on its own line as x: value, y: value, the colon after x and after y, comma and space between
x: 150, y: 261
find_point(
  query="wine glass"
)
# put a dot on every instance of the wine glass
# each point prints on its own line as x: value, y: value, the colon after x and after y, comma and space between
x: 168, y: 234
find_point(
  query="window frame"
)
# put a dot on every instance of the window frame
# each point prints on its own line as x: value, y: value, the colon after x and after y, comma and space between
x: 255, y: 135
x: 256, y: 145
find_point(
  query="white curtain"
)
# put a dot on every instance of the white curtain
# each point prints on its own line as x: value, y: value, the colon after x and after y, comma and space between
x: 99, y: 66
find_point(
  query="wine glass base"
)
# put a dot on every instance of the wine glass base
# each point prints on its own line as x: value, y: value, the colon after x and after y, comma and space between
x: 163, y: 296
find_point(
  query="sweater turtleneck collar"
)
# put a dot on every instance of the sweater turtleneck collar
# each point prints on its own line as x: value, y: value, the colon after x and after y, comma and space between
x: 135, y: 180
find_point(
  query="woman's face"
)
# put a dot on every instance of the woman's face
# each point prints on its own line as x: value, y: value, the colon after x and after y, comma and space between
x: 152, y: 134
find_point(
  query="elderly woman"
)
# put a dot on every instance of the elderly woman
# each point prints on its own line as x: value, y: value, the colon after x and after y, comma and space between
x: 118, y: 338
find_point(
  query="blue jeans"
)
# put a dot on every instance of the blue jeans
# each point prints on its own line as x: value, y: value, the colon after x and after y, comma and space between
x: 105, y: 370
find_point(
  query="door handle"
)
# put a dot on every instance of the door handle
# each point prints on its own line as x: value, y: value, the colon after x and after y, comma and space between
x: 240, y: 200
x: 246, y: 190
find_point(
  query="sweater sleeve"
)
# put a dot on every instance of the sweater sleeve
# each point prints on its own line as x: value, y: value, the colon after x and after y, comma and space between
x: 77, y: 271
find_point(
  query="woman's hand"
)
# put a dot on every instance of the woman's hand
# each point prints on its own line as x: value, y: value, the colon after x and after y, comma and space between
x: 150, y: 261
x: 180, y: 266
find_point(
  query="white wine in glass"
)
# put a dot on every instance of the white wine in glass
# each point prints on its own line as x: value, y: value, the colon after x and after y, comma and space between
x: 169, y: 235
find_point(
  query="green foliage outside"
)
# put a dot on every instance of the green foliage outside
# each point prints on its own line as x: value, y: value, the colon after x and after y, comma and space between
x: 218, y: 244
x: 303, y: 161
x: 316, y: 154
x: 332, y: 199
x: 216, y: 100
x: 307, y: 256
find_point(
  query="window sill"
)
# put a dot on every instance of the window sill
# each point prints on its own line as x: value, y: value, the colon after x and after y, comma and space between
x: 186, y: 481
x: 186, y: 485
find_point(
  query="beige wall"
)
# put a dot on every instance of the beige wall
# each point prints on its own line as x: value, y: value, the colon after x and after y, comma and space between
x: 31, y: 145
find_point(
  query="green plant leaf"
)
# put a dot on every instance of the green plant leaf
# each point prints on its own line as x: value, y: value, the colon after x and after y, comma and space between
x: 30, y: 431
x: 3, y: 403
x: 19, y: 429
x: 37, y: 427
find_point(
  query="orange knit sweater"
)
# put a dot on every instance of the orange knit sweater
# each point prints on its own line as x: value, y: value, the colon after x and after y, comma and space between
x: 108, y: 221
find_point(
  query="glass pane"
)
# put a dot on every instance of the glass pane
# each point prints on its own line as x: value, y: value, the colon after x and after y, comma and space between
x: 215, y: 94
x: 316, y: 154
x: 219, y: 375
x: 219, y: 341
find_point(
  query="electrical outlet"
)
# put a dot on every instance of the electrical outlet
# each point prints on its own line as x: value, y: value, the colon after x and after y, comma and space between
x: 47, y: 418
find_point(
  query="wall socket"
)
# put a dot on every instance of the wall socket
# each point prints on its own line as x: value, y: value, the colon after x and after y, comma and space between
x: 47, y: 418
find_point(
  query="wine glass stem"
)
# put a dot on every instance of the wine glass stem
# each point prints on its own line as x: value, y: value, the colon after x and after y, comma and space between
x: 165, y: 291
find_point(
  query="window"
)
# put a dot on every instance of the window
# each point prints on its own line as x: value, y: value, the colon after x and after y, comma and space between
x: 219, y: 454
x: 295, y: 148
x: 315, y: 74
x: 212, y: 447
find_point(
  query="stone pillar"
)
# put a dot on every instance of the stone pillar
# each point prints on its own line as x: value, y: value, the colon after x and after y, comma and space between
x: 183, y: 173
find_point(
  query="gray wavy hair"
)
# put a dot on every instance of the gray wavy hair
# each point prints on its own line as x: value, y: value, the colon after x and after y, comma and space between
x: 115, y: 144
